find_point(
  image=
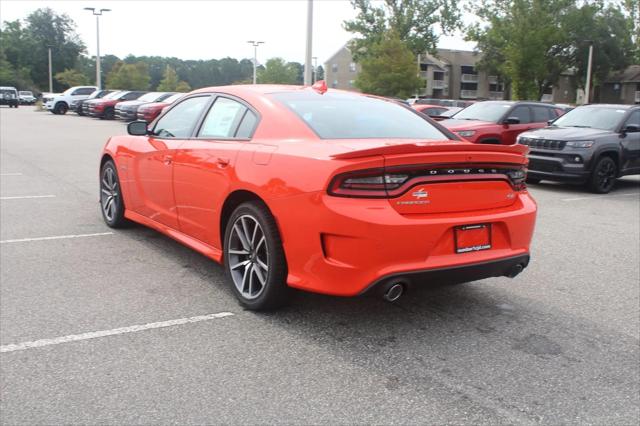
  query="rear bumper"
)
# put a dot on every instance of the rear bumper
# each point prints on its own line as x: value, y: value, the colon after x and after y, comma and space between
x: 509, y: 267
x: 344, y: 246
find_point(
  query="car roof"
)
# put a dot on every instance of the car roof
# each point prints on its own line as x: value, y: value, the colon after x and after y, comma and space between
x: 610, y: 106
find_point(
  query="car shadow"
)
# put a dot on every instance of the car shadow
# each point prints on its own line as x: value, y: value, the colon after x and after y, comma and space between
x: 623, y: 184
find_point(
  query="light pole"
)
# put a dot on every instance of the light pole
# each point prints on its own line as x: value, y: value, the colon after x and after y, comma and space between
x: 50, y: 72
x: 98, y: 14
x: 588, y: 83
x: 308, y: 54
x: 255, y: 45
x: 315, y: 68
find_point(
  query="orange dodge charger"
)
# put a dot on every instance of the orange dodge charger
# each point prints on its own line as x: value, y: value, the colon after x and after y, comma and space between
x: 321, y: 190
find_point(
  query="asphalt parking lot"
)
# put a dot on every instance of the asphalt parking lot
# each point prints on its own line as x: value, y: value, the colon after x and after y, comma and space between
x: 557, y: 345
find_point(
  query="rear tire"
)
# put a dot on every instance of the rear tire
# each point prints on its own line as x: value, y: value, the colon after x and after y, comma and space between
x: 111, y: 202
x: 254, y: 259
x: 603, y: 177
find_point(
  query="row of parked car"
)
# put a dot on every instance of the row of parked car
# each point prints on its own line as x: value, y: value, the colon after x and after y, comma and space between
x: 13, y: 98
x: 128, y: 105
x: 591, y: 144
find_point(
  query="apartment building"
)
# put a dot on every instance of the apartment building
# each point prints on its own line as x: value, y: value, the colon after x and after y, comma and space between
x: 622, y: 87
x: 451, y: 74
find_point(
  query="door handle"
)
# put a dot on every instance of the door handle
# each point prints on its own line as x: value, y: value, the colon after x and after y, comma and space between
x: 168, y: 159
x: 223, y: 161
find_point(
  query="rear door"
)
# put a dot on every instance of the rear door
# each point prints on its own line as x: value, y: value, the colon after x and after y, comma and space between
x: 204, y: 168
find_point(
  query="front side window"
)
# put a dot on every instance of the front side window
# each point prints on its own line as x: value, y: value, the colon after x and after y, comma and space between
x: 351, y: 116
x: 634, y: 119
x: 181, y: 119
x: 83, y: 91
x: 132, y: 96
x: 522, y: 113
x: 223, y: 119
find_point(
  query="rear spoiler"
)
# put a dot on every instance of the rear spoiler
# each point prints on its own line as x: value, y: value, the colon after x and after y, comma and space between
x: 428, y: 147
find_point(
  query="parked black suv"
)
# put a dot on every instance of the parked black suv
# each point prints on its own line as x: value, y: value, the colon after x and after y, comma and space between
x: 592, y: 144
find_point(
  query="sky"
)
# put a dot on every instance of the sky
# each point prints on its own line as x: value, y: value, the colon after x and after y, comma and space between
x: 208, y: 29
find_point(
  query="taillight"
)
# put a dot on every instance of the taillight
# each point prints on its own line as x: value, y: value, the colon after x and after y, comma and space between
x: 372, y: 183
x: 393, y: 182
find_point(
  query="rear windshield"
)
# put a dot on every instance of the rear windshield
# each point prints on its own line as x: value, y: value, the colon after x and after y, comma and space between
x: 350, y: 116
x: 592, y: 117
x: 26, y: 93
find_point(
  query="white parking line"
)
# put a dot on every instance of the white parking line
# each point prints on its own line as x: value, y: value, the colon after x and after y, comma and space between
x: 24, y: 197
x: 115, y: 331
x: 57, y: 237
x: 602, y: 196
x: 10, y: 174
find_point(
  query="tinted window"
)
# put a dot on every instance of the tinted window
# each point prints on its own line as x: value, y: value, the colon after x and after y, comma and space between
x: 522, y: 113
x: 349, y: 116
x: 433, y: 111
x: 132, y: 96
x: 483, y: 111
x: 592, y: 117
x: 223, y: 119
x: 634, y: 118
x: 84, y: 91
x: 542, y: 114
x: 248, y: 123
x: 180, y: 120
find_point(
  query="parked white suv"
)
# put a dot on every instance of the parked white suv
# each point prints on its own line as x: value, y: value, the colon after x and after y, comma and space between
x: 26, y: 97
x: 58, y: 103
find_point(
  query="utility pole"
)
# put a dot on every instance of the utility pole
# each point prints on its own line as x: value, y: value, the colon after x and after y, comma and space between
x: 50, y: 72
x: 588, y: 83
x: 255, y: 45
x: 308, y: 53
x: 98, y: 14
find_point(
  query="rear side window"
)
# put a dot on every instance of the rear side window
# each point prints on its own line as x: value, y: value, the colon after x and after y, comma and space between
x: 181, y: 119
x: 350, y: 116
x: 223, y: 119
x: 132, y: 96
x: 522, y: 113
x: 248, y: 123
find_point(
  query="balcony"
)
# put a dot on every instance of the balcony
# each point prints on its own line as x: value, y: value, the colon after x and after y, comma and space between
x: 468, y: 94
x: 469, y: 78
x: 493, y: 79
x: 424, y: 74
x: 496, y: 96
x: 438, y: 84
x: 637, y: 97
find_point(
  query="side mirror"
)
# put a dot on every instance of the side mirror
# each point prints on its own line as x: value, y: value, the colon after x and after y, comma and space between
x: 550, y: 122
x: 512, y: 120
x: 137, y: 128
x: 631, y: 128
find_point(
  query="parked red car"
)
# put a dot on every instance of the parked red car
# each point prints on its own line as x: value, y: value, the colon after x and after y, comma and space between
x: 105, y: 107
x: 149, y: 112
x: 326, y: 191
x: 500, y: 122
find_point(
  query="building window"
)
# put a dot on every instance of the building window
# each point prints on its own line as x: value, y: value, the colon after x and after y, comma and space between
x: 352, y: 67
x: 334, y: 68
x: 351, y: 83
x: 334, y: 84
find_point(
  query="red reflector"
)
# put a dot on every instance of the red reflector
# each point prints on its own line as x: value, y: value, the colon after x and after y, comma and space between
x: 320, y: 86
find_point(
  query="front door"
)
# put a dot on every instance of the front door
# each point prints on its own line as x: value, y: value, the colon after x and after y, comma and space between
x: 630, y: 142
x: 153, y: 157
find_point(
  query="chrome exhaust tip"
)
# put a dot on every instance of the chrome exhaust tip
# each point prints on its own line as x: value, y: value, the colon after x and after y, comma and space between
x: 515, y: 270
x: 394, y: 292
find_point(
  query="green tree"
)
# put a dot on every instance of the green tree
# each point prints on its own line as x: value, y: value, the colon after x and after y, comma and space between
x: 416, y: 22
x: 319, y: 73
x: 390, y: 70
x: 25, y: 45
x: 70, y: 77
x: 277, y: 71
x: 183, y: 86
x: 129, y: 76
x: 169, y: 81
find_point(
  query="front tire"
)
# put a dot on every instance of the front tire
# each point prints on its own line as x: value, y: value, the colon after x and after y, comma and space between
x: 61, y: 108
x: 254, y: 259
x: 111, y: 202
x: 603, y: 177
x: 109, y: 114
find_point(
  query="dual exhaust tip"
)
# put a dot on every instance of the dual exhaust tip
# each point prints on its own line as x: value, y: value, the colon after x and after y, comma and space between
x: 394, y: 290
